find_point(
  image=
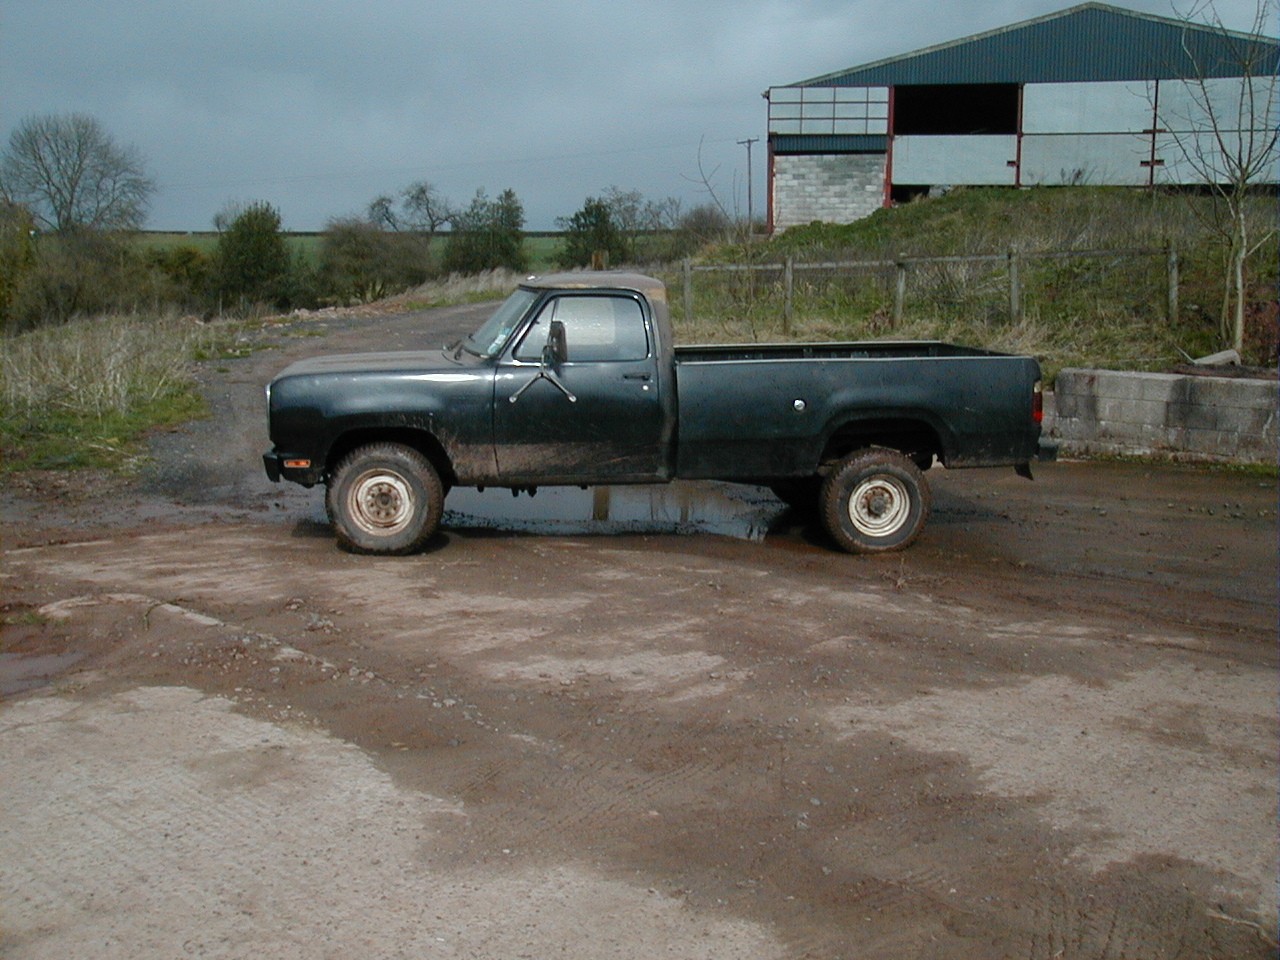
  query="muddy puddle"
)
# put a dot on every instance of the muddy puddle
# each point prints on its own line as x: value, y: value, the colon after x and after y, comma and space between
x: 20, y: 674
x: 728, y: 510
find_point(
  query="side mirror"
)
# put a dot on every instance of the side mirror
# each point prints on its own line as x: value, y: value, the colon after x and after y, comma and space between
x: 556, y: 351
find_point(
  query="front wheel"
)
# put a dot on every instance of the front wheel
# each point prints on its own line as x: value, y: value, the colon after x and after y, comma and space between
x: 875, y: 501
x: 385, y: 498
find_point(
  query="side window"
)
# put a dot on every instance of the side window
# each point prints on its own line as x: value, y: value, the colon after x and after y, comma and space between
x: 530, y: 348
x: 598, y: 329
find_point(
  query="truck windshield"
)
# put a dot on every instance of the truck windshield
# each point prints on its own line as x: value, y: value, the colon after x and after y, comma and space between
x: 489, y: 339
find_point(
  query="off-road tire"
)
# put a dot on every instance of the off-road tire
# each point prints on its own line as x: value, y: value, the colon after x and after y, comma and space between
x: 384, y: 498
x: 875, y: 501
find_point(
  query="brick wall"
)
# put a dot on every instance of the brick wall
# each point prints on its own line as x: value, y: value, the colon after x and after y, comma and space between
x: 833, y: 188
x: 1204, y: 418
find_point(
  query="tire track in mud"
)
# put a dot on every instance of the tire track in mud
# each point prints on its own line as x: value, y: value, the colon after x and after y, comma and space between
x: 609, y: 783
x: 1107, y: 924
x: 658, y: 793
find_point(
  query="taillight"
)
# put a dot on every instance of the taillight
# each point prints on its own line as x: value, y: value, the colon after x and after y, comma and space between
x: 1037, y: 402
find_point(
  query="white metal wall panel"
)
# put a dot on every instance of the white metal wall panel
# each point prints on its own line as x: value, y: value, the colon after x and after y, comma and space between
x: 1097, y: 159
x: 1197, y: 158
x: 1187, y: 106
x: 1087, y: 107
x: 977, y: 161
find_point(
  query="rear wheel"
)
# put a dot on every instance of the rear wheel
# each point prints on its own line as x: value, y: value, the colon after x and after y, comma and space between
x: 875, y: 501
x: 385, y: 498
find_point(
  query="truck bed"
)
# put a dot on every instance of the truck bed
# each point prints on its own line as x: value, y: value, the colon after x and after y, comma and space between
x: 768, y: 410
x: 853, y: 350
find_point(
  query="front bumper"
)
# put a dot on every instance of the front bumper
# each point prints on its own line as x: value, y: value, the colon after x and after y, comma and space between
x: 283, y: 467
x: 272, y: 464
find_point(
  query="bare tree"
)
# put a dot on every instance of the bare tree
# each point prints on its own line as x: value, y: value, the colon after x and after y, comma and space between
x: 70, y: 173
x: 421, y: 209
x: 426, y: 211
x: 707, y: 180
x: 706, y: 223
x: 740, y: 224
x: 227, y: 214
x: 382, y: 212
x: 1224, y: 130
x: 664, y: 214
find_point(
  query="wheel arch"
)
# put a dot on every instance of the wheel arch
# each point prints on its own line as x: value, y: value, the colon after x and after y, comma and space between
x: 422, y: 441
x: 916, y: 435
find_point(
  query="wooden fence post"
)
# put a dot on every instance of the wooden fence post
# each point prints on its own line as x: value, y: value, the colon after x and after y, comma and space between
x: 1015, y: 286
x: 788, y: 277
x: 686, y: 269
x: 899, y: 290
x: 1171, y: 260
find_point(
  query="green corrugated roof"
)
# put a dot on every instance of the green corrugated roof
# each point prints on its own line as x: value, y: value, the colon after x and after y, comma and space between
x: 1092, y: 42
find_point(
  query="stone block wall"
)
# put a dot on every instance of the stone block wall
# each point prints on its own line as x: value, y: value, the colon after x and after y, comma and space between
x: 1191, y: 417
x: 833, y: 188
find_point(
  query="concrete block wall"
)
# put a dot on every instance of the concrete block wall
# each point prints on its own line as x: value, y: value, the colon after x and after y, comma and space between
x: 1190, y: 417
x: 834, y: 188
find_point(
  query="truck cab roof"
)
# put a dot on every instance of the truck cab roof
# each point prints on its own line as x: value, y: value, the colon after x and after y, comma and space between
x: 653, y: 289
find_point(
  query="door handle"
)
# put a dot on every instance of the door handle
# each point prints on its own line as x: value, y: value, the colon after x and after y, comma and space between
x: 637, y: 376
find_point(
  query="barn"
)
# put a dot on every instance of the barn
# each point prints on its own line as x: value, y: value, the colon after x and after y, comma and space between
x: 1094, y: 94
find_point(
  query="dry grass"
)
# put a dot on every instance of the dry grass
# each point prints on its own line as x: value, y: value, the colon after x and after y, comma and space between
x: 458, y: 288
x: 83, y: 393
x: 96, y: 367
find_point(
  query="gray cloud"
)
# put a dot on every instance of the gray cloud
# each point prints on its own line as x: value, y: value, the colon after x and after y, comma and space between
x: 318, y: 105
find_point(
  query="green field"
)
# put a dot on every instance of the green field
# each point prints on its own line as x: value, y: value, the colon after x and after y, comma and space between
x: 541, y: 247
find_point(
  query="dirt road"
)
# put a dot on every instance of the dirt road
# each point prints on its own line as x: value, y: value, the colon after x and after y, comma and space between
x: 1048, y: 730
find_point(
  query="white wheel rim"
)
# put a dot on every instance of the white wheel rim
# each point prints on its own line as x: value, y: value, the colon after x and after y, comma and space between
x: 879, y: 506
x: 380, y: 503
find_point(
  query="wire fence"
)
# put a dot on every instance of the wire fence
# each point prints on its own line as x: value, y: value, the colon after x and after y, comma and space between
x: 998, y: 287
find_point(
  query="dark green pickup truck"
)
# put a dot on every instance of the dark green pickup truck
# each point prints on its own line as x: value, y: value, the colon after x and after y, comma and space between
x: 575, y: 380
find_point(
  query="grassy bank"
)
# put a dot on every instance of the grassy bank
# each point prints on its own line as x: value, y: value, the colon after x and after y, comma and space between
x: 1107, y: 310
x: 83, y: 394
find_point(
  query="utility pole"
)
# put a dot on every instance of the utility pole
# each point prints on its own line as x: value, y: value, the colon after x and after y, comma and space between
x: 750, y: 207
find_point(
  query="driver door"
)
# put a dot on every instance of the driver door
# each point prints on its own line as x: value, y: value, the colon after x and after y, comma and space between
x: 594, y: 415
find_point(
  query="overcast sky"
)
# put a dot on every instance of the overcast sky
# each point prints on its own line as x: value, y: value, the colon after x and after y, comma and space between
x: 317, y: 106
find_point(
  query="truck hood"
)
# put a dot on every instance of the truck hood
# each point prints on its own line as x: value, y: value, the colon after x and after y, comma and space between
x: 403, y: 361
